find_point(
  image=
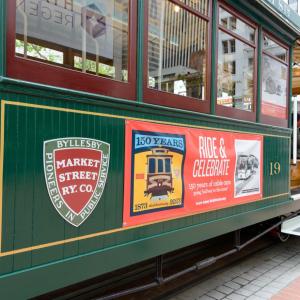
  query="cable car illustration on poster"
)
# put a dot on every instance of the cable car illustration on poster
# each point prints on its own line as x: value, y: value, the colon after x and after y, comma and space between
x: 159, y: 174
x: 157, y: 171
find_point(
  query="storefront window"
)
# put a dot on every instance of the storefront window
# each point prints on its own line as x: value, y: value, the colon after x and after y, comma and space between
x: 236, y: 57
x: 91, y: 37
x: 274, y: 79
x: 177, y: 44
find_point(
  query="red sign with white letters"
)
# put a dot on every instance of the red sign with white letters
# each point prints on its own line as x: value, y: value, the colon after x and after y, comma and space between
x: 75, y: 172
x: 173, y: 171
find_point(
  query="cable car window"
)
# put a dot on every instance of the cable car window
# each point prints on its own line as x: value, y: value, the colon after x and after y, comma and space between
x: 151, y: 165
x: 92, y: 38
x: 236, y: 25
x: 91, y: 43
x: 235, y: 73
x: 168, y: 165
x: 177, y: 56
x: 177, y: 53
x: 236, y: 66
x: 274, y: 79
x: 160, y: 166
x: 198, y: 5
x: 274, y: 49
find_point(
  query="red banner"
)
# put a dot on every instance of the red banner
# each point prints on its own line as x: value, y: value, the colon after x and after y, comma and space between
x: 173, y: 171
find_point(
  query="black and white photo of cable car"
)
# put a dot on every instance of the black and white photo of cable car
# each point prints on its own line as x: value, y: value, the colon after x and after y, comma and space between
x: 246, y: 166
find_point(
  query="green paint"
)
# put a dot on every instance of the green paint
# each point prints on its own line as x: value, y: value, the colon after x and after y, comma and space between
x: 276, y: 150
x: 91, y: 264
x: 27, y: 128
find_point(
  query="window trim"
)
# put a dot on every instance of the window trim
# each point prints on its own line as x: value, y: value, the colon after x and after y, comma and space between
x: 266, y: 119
x: 44, y: 73
x: 163, y: 98
x: 232, y: 112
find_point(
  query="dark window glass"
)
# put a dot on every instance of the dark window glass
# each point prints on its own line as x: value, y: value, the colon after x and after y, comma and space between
x: 160, y: 166
x: 168, y: 165
x: 225, y: 46
x: 232, y: 46
x: 88, y: 36
x: 233, y: 67
x: 152, y: 165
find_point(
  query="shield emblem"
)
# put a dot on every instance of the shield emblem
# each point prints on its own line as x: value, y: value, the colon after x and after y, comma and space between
x: 75, y: 172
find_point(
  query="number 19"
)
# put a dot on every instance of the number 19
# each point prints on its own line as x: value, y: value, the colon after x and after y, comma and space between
x: 274, y: 168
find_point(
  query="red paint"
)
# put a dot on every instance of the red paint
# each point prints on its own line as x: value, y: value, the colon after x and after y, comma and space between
x: 217, y: 189
x: 79, y: 169
x: 273, y: 110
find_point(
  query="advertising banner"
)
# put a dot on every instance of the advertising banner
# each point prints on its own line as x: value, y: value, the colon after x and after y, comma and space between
x: 173, y: 171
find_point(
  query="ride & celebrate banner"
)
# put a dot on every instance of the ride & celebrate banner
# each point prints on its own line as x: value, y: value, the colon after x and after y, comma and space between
x: 174, y: 171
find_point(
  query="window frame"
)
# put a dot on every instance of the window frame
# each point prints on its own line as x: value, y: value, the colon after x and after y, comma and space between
x: 55, y: 75
x: 265, y: 119
x: 232, y: 112
x: 157, y: 97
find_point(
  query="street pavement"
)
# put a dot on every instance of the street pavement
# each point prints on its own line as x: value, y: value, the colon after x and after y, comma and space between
x: 264, y: 275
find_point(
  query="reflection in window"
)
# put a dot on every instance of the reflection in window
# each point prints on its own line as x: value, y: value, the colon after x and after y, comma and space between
x: 198, y: 5
x: 274, y: 49
x: 274, y: 87
x: 274, y: 79
x: 236, y: 25
x: 177, y: 43
x: 235, y: 74
x: 228, y: 46
x: 53, y: 32
x: 39, y: 52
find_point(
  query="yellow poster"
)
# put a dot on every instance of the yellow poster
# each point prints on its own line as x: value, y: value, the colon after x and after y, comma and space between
x: 157, y: 171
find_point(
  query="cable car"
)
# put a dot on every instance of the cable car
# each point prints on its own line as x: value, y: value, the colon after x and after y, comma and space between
x: 87, y: 86
x: 159, y: 176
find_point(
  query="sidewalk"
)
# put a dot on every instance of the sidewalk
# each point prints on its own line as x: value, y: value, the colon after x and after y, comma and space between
x: 273, y: 273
